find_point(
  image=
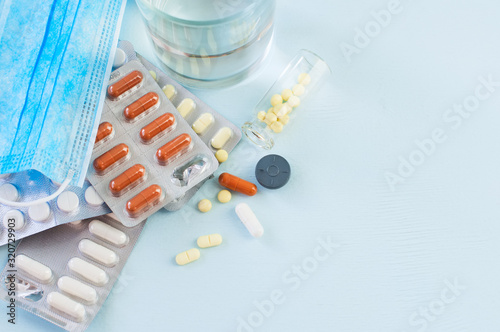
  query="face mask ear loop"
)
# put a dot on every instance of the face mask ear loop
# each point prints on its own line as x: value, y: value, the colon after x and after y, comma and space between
x: 63, y: 186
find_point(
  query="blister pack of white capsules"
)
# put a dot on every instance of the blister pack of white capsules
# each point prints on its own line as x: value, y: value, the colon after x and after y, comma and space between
x: 65, y: 274
x: 215, y: 131
x: 72, y: 204
x: 145, y: 155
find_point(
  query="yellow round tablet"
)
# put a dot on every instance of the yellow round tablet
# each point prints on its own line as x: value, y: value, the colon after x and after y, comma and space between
x: 224, y: 196
x: 221, y: 155
x: 204, y: 205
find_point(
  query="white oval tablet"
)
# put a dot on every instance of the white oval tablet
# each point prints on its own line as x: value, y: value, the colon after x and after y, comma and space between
x: 249, y: 219
x: 39, y: 212
x: 92, y: 197
x: 77, y: 289
x: 9, y: 192
x: 108, y: 233
x: 68, y: 202
x: 87, y: 271
x: 98, y: 253
x: 66, y: 305
x: 15, y: 217
x: 34, y: 268
x: 120, y: 58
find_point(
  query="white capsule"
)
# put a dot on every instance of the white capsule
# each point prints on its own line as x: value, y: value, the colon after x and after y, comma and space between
x: 39, y: 212
x: 66, y: 305
x: 92, y: 197
x: 99, y: 253
x: 34, y: 268
x: 9, y: 192
x: 77, y: 289
x: 186, y: 107
x: 87, y: 271
x: 68, y: 202
x: 108, y: 233
x: 13, y: 219
x: 249, y: 219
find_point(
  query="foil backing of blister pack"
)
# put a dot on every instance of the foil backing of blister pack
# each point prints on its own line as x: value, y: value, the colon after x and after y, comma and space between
x: 54, y: 249
x: 181, y: 94
x: 32, y: 185
x: 175, y: 177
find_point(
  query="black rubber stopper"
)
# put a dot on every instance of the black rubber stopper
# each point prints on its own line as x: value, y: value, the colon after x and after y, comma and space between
x: 272, y: 171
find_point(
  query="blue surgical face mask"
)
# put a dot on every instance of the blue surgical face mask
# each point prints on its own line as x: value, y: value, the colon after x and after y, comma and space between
x: 55, y: 61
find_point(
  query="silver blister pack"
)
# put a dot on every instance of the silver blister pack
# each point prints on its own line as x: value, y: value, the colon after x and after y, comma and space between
x: 72, y: 204
x: 65, y: 274
x: 178, y: 94
x: 145, y: 154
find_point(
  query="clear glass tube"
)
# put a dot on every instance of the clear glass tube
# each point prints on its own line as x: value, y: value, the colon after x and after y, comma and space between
x: 303, y: 76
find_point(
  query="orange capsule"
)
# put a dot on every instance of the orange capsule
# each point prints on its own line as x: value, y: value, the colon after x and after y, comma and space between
x: 125, y: 84
x: 140, y: 106
x: 127, y: 178
x: 157, y: 126
x: 107, y: 159
x: 235, y: 183
x: 173, y: 148
x: 105, y: 129
x: 142, y: 200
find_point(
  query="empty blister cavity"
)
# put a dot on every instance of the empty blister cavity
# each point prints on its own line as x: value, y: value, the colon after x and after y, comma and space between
x: 127, y: 84
x: 77, y: 289
x: 39, y: 212
x: 182, y: 175
x: 13, y: 219
x: 127, y: 180
x: 68, y: 202
x: 186, y: 107
x: 141, y: 106
x: 64, y: 304
x: 98, y: 253
x: 221, y: 138
x: 88, y: 271
x: 9, y: 192
x: 249, y: 219
x: 204, y: 122
x: 108, y: 233
x: 92, y: 197
x: 34, y: 269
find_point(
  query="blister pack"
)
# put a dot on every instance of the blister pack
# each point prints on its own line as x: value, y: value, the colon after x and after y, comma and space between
x: 215, y: 131
x: 145, y: 155
x: 72, y: 204
x: 65, y: 274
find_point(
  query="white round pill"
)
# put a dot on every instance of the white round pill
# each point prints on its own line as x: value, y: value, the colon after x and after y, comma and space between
x: 76, y: 222
x: 92, y: 197
x: 39, y: 212
x: 13, y: 219
x: 68, y: 202
x: 9, y: 192
x: 120, y: 58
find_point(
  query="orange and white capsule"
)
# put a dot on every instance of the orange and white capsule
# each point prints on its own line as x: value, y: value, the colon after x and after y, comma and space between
x: 126, y: 83
x: 107, y: 159
x: 105, y: 130
x: 140, y: 106
x: 235, y: 183
x: 158, y: 125
x: 148, y: 197
x: 126, y: 179
x: 173, y: 148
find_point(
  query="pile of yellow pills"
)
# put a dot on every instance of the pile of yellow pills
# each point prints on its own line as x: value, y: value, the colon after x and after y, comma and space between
x: 187, y: 257
x: 221, y: 155
x: 283, y: 104
x: 224, y: 196
x: 208, y: 241
x: 204, y: 205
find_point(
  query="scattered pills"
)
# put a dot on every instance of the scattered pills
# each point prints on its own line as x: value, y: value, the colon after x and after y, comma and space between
x: 261, y: 115
x: 9, y: 192
x: 204, y: 205
x: 286, y: 94
x: 188, y: 256
x: 203, y: 122
x: 221, y: 155
x: 34, y: 268
x: 298, y: 90
x: 68, y: 306
x: 284, y: 119
x: 271, y: 117
x: 77, y: 289
x: 282, y: 110
x: 304, y: 79
x: 120, y: 58
x: 249, y: 219
x: 13, y: 219
x: 208, y: 241
x: 186, y: 107
x: 98, y: 253
x: 169, y: 91
x: 294, y: 101
x: 68, y: 202
x: 277, y: 127
x: 221, y: 137
x: 237, y: 184
x: 39, y: 212
x: 153, y: 74
x: 92, y: 197
x: 276, y: 100
x: 108, y: 233
x: 224, y: 196
x: 88, y: 271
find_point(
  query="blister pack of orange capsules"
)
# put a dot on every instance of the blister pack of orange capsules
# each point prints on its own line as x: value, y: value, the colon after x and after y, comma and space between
x: 145, y: 154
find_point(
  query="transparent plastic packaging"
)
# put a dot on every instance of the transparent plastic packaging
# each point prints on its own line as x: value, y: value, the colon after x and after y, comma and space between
x: 302, y: 77
x: 65, y: 274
